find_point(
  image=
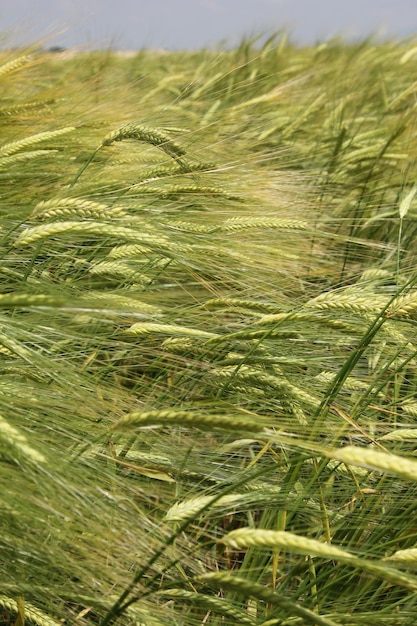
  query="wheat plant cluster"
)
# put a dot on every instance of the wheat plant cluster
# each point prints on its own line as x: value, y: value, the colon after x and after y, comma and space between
x: 208, y: 341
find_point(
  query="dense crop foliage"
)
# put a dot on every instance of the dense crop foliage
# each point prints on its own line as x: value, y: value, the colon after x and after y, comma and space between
x: 208, y: 336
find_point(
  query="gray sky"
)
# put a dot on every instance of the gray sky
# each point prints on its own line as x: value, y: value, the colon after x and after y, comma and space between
x: 176, y: 24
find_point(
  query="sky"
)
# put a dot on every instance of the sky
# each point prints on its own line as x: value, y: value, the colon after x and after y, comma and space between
x: 191, y: 24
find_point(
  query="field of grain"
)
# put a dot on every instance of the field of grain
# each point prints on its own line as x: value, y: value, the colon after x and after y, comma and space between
x: 208, y: 342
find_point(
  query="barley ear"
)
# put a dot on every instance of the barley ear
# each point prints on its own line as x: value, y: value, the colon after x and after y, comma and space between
x: 406, y: 202
x: 15, y: 146
x: 16, y: 64
x: 255, y: 590
x: 404, y: 556
x: 153, y: 136
x: 376, y: 460
x: 255, y: 537
x: 31, y: 613
x: 272, y: 539
x: 193, y: 419
x: 17, y: 444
